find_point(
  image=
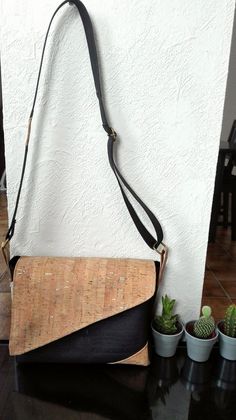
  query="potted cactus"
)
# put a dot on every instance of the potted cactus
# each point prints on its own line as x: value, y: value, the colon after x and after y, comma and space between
x: 201, y: 335
x: 167, y: 330
x: 227, y: 334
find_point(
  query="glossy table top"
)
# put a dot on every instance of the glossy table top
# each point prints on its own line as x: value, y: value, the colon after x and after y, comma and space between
x: 175, y: 388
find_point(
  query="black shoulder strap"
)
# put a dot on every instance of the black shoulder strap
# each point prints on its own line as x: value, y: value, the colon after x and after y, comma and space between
x: 153, y: 242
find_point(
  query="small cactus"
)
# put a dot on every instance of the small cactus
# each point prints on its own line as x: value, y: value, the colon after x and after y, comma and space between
x: 205, y: 325
x: 230, y: 321
x: 166, y: 323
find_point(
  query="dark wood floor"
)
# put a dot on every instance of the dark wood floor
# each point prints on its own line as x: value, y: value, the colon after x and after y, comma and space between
x: 219, y: 284
x: 220, y: 276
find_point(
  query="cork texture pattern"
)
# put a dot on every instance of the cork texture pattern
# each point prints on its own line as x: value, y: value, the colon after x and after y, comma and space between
x: 53, y: 296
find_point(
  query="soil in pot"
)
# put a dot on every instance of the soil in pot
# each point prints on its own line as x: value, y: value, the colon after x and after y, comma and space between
x: 189, y: 329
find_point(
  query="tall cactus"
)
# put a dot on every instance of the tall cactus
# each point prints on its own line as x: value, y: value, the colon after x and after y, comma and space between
x: 230, y: 321
x: 166, y: 323
x: 205, y: 325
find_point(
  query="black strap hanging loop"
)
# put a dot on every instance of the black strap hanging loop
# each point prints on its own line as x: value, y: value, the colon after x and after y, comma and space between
x: 153, y: 242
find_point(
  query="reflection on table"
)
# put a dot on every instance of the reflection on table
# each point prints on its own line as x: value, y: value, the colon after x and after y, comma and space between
x: 170, y: 388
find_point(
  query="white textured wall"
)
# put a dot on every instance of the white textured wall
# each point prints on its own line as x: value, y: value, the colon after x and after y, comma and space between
x: 164, y: 71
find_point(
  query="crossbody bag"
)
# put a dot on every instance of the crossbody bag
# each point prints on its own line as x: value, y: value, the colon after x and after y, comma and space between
x: 84, y: 310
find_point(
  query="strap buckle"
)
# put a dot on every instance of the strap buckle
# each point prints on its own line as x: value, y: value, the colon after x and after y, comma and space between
x: 163, y: 251
x: 5, y: 251
x: 161, y: 248
x: 4, y: 243
x: 113, y: 134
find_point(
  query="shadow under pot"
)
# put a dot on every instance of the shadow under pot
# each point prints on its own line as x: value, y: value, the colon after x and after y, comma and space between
x: 196, y: 376
x: 227, y: 344
x: 199, y: 349
x: 224, y: 374
x: 166, y: 344
x: 164, y: 371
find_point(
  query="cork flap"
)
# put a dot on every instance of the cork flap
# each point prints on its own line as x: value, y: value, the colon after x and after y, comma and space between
x: 53, y: 297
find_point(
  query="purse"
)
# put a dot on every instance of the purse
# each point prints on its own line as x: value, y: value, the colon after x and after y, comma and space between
x: 84, y: 310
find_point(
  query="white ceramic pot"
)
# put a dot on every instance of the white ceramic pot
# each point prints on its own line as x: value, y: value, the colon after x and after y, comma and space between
x: 165, y: 344
x: 198, y: 349
x: 227, y: 345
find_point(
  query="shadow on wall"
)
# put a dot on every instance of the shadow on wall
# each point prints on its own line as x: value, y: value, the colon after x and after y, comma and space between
x: 229, y: 113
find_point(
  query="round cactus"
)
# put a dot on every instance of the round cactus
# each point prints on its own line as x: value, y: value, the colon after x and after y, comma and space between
x: 230, y: 321
x: 205, y: 325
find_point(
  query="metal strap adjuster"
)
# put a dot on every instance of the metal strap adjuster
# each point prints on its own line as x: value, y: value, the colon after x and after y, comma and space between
x: 160, y: 248
x: 113, y: 134
x: 4, y: 243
